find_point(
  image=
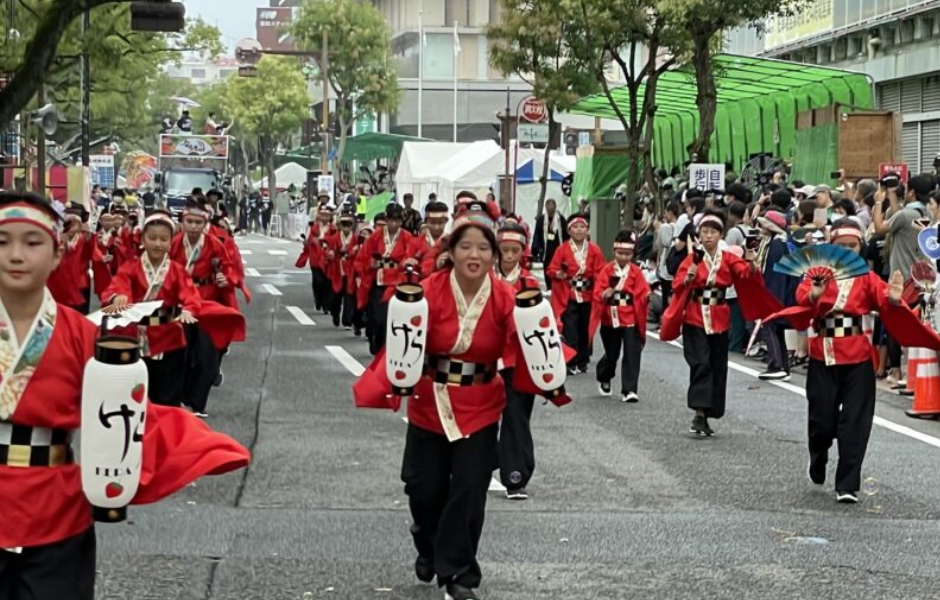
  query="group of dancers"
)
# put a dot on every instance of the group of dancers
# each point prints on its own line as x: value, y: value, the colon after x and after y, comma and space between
x: 50, y: 354
x: 192, y: 264
x: 463, y: 427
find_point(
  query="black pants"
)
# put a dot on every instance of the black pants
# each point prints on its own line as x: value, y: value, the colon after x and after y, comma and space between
x: 841, y: 402
x: 615, y: 339
x: 343, y: 307
x: 378, y: 315
x: 446, y: 483
x: 202, y: 368
x: 738, y: 333
x: 774, y: 335
x: 166, y: 378
x: 576, y: 324
x: 550, y: 249
x: 707, y: 357
x: 322, y: 291
x: 516, y: 450
x: 61, y: 571
x: 894, y: 353
x: 665, y: 287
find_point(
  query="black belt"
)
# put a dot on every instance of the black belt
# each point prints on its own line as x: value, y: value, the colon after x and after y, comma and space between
x: 202, y: 281
x: 387, y: 263
x: 709, y: 296
x: 837, y: 326
x: 621, y: 299
x: 457, y: 372
x: 162, y: 317
x: 22, y: 446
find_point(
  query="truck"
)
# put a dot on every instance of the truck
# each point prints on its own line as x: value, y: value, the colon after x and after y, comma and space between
x: 190, y: 161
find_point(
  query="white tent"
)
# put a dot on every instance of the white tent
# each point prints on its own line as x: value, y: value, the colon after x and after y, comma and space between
x: 285, y: 175
x: 447, y: 168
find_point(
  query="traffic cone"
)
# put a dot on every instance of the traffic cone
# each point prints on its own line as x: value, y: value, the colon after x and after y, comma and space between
x: 915, y: 358
x: 926, y: 387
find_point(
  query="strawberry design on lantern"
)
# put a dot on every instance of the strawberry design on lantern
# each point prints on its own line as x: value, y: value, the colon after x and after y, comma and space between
x: 113, y: 490
x: 137, y: 394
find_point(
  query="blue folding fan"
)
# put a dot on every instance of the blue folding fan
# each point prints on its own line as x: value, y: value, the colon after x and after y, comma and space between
x: 822, y: 262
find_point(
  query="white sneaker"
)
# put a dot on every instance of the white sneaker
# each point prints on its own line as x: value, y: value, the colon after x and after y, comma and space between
x: 603, y: 388
x: 631, y: 398
x: 774, y: 376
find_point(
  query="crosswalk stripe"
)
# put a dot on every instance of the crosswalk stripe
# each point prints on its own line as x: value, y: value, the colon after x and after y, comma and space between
x: 271, y: 289
x: 244, y: 252
x: 277, y: 252
x: 300, y: 315
x: 252, y: 273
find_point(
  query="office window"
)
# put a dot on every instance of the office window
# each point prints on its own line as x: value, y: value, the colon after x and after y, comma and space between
x: 197, y: 74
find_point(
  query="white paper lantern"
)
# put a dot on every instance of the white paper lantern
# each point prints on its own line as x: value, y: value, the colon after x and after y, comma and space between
x: 114, y: 406
x: 406, y: 338
x: 540, y: 341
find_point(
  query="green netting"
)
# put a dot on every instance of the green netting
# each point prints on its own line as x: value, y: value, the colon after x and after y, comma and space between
x: 371, y: 146
x: 758, y: 103
x: 598, y: 176
x: 820, y: 142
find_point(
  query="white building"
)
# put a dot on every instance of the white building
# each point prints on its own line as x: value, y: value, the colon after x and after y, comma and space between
x: 204, y: 72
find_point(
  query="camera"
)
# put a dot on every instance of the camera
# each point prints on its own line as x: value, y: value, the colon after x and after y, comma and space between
x: 835, y: 174
x: 751, y: 239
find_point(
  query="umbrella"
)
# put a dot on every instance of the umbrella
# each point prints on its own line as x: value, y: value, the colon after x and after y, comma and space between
x: 184, y: 101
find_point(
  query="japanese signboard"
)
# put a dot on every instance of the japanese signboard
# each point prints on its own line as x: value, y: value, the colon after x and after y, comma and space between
x: 533, y: 133
x: 102, y: 169
x: 707, y: 177
x: 271, y: 28
x: 326, y: 183
x: 194, y: 146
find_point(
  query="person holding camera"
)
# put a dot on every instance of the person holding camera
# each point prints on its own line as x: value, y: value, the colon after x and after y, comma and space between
x: 772, y: 247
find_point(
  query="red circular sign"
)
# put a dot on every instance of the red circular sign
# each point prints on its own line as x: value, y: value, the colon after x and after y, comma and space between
x: 533, y: 110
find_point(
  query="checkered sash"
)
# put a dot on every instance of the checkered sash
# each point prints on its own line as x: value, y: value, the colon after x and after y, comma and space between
x: 469, y: 316
x: 18, y: 361
x: 452, y: 372
x: 578, y: 284
x: 839, y: 325
x: 22, y: 446
x: 386, y: 262
x: 845, y: 289
x: 710, y: 296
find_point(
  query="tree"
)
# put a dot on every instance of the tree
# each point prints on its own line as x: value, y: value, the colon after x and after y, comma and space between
x: 357, y: 69
x: 269, y: 106
x: 705, y: 20
x: 641, y: 43
x: 529, y: 41
x: 125, y: 66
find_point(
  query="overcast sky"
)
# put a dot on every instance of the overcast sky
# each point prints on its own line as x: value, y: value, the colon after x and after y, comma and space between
x: 236, y: 18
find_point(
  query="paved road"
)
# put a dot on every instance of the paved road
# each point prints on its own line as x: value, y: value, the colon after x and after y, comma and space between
x: 624, y: 504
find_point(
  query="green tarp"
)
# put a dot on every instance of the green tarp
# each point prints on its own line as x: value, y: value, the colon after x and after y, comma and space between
x: 372, y: 146
x: 598, y: 176
x: 377, y: 204
x: 758, y: 103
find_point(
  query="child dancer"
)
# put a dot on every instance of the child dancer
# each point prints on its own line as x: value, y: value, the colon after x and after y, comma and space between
x: 69, y: 283
x: 341, y: 255
x: 573, y: 270
x: 621, y: 301
x: 516, y: 450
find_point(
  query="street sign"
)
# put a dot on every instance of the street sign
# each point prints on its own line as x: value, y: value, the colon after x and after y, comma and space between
x: 707, y: 177
x: 102, y: 169
x: 533, y: 110
x: 325, y: 183
x: 901, y: 169
x: 532, y: 133
x: 584, y: 139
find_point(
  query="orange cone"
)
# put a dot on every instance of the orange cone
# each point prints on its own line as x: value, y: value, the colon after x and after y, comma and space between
x: 915, y: 357
x: 926, y: 387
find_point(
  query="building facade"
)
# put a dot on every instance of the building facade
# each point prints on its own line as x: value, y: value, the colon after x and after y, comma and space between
x: 895, y: 42
x: 204, y: 72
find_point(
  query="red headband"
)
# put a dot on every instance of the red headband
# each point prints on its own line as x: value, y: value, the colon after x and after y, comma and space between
x: 850, y: 231
x: 512, y: 236
x: 624, y: 245
x: 711, y: 220
x: 576, y: 220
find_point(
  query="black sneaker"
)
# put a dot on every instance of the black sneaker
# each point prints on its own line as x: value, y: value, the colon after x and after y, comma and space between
x: 846, y: 497
x: 219, y: 379
x: 709, y: 432
x: 604, y: 387
x: 699, y: 426
x: 424, y: 569
x: 459, y: 592
x: 816, y: 470
x: 572, y: 371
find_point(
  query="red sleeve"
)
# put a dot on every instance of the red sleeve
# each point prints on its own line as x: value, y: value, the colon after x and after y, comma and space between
x: 678, y: 282
x: 555, y: 266
x: 602, y: 283
x: 120, y: 285
x: 187, y: 296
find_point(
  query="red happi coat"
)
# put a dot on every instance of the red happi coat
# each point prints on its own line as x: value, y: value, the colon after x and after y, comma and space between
x: 603, y: 312
x: 131, y: 247
x: 472, y: 407
x: 238, y: 265
x: 565, y: 261
x: 103, y: 271
x: 857, y: 297
x: 315, y: 248
x: 341, y: 262
x: 203, y: 272
x: 425, y: 251
x: 71, y: 276
x: 753, y: 298
x: 177, y: 291
x: 374, y: 249
x: 44, y: 505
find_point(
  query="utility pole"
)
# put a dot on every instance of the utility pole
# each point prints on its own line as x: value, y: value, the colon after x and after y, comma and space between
x: 41, y: 144
x: 86, y: 89
x: 325, y: 73
x: 505, y: 196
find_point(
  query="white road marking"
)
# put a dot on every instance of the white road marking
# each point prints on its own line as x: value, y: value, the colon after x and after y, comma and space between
x: 880, y: 421
x: 245, y: 252
x: 496, y: 486
x: 277, y: 252
x: 252, y: 273
x: 271, y: 289
x: 300, y: 315
x: 346, y: 359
